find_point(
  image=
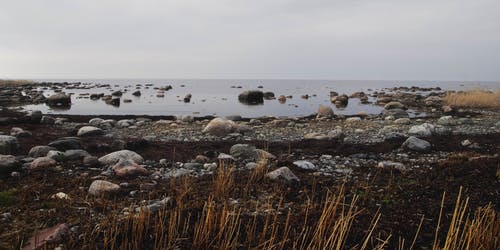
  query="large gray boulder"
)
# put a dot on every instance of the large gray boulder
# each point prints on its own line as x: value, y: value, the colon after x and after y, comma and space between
x: 89, y: 131
x: 251, y: 97
x: 8, y: 144
x: 220, y: 127
x: 416, y: 144
x: 115, y: 157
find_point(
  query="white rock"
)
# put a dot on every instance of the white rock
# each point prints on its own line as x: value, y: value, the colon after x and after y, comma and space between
x: 423, y: 130
x: 305, y: 165
x: 115, y: 157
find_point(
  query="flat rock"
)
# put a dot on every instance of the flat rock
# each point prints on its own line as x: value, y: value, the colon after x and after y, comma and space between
x: 66, y: 143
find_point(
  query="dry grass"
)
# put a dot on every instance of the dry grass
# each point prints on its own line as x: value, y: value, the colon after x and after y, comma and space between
x: 474, y: 99
x: 224, y: 226
x: 5, y: 83
x: 480, y: 232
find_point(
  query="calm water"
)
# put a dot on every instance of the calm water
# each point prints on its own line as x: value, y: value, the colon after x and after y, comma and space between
x: 216, y: 97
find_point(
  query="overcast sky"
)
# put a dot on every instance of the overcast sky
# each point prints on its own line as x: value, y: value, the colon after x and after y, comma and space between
x: 323, y: 39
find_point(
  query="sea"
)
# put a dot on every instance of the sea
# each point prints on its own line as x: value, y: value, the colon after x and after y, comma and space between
x: 219, y: 97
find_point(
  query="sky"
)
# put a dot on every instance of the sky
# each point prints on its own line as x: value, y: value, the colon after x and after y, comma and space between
x: 258, y: 39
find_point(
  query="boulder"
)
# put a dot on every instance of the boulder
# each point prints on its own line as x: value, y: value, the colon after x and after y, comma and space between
x: 101, y: 187
x: 128, y: 168
x: 422, y: 130
x: 115, y: 157
x: 340, y: 100
x: 8, y: 164
x: 268, y: 95
x: 66, y: 143
x: 282, y: 99
x: 59, y: 99
x: 416, y: 144
x: 251, y: 97
x: 8, y: 144
x: 324, y: 112
x: 394, y: 105
x: 89, y: 131
x: 40, y: 151
x: 220, y: 127
x: 283, y: 174
x: 42, y: 163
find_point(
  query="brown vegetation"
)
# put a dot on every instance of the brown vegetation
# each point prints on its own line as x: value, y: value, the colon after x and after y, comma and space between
x: 474, y: 99
x: 4, y: 82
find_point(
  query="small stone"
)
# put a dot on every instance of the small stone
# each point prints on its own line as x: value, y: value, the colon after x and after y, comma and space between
x: 306, y: 165
x: 101, y: 187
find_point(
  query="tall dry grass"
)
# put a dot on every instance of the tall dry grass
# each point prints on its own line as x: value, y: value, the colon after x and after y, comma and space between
x: 6, y: 83
x: 474, y: 99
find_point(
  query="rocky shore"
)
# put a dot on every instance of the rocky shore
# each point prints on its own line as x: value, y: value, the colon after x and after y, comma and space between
x: 63, y: 177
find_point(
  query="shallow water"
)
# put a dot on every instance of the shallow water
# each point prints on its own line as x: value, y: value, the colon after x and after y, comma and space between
x: 217, y: 97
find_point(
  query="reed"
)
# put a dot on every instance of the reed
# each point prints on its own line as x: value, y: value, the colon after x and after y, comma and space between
x: 474, y: 99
